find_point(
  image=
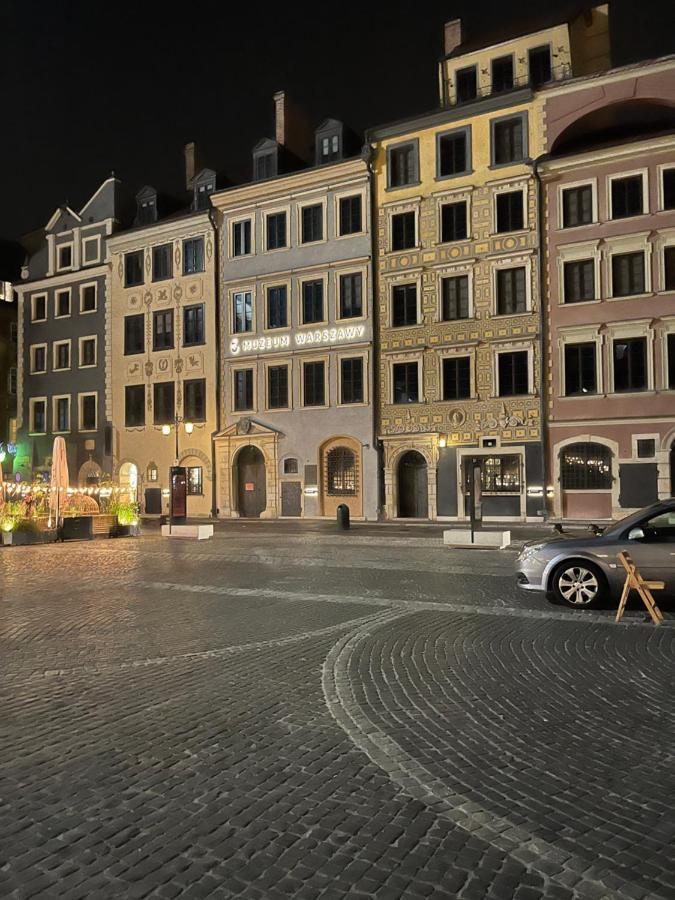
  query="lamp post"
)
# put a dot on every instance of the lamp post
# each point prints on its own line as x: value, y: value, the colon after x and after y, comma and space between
x: 177, y: 481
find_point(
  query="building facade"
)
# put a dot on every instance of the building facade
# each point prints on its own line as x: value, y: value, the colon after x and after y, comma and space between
x: 11, y: 256
x: 609, y: 207
x: 62, y: 341
x: 297, y: 433
x: 162, y: 367
x: 458, y: 275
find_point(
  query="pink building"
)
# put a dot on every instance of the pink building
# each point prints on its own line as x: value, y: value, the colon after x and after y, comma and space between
x: 608, y: 183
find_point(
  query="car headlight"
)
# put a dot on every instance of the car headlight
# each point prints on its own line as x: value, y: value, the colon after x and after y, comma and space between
x: 530, y: 550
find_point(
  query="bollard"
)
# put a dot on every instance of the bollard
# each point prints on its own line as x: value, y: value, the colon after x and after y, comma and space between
x: 343, y: 516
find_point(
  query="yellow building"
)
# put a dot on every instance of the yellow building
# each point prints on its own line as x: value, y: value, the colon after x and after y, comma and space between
x: 162, y: 351
x: 458, y: 300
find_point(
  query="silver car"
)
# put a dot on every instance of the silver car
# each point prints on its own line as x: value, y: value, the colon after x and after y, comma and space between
x: 584, y: 571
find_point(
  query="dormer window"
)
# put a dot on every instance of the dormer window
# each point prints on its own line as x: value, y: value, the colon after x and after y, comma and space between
x: 540, y: 66
x: 330, y: 148
x: 204, y: 186
x: 467, y: 84
x: 146, y: 207
x: 329, y: 142
x: 502, y: 74
x: 265, y: 165
x: 64, y: 257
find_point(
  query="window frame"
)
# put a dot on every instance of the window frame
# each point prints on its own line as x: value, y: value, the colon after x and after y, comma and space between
x: 456, y: 355
x: 406, y: 283
x: 66, y: 245
x: 520, y: 348
x: 200, y: 492
x: 580, y: 341
x: 576, y: 185
x: 56, y: 398
x: 416, y: 360
x: 312, y: 279
x: 451, y: 201
x: 339, y: 234
x: 155, y: 386
x: 155, y: 316
x: 523, y: 117
x: 350, y: 273
x: 58, y: 293
x: 319, y: 203
x: 501, y: 59
x: 135, y: 316
x: 620, y: 176
x: 153, y: 271
x: 80, y: 342
x: 615, y: 338
x: 416, y: 242
x: 195, y: 418
x: 141, y: 388
x: 506, y: 265
x: 188, y: 308
x: 662, y: 169
x: 472, y: 70
x: 325, y: 362
x: 446, y: 275
x: 233, y: 315
x: 139, y: 254
x: 646, y: 267
x: 414, y: 145
x: 363, y: 358
x: 89, y: 240
x: 80, y: 404
x: 31, y: 358
x: 468, y: 154
x: 575, y: 262
x: 32, y: 403
x: 198, y: 239
x: 282, y: 363
x: 234, y: 371
x: 508, y: 192
x: 232, y: 224
x: 268, y: 214
x: 63, y: 342
x: 82, y: 287
x: 40, y: 295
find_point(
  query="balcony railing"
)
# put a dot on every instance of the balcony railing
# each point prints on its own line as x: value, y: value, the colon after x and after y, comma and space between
x: 518, y: 83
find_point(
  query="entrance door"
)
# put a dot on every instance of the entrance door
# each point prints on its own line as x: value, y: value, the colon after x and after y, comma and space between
x: 672, y: 469
x: 291, y: 498
x: 251, y: 483
x: 412, y: 486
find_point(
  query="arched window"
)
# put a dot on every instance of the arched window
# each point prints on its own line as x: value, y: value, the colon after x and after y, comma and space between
x: 586, y: 467
x: 341, y: 472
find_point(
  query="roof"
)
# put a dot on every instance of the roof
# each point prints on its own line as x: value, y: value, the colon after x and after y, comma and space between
x: 519, y: 26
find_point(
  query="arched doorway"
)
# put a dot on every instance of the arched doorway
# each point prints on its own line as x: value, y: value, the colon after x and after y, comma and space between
x: 586, y: 480
x: 250, y: 478
x: 341, y: 477
x: 129, y: 481
x: 413, y: 499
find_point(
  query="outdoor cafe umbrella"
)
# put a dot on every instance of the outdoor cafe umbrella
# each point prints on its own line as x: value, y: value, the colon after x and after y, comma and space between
x: 59, y: 479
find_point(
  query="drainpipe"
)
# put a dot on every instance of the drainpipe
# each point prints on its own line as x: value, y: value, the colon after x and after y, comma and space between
x: 542, y: 330
x: 216, y: 296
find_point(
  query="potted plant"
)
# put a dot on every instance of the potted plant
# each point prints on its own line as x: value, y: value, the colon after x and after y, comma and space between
x: 127, y: 519
x: 10, y: 514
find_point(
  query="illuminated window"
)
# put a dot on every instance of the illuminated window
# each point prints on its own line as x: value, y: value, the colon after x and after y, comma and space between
x: 341, y: 472
x: 194, y: 481
x: 586, y: 467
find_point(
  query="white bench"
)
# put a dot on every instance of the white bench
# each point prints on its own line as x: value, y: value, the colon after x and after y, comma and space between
x: 461, y: 537
x: 200, y: 532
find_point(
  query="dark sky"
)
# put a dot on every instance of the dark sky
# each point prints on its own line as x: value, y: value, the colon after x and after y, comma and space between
x: 86, y: 87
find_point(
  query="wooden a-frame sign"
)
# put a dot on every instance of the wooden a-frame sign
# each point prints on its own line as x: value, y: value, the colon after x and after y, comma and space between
x: 635, y: 581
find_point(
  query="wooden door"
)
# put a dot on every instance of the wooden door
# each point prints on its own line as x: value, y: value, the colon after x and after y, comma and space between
x: 291, y: 498
x: 251, y: 483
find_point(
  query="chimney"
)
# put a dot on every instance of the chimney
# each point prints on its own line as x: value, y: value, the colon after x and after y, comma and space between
x: 291, y: 127
x: 190, y: 153
x: 452, y: 35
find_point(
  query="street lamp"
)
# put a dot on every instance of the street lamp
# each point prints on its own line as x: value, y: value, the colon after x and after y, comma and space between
x: 177, y: 422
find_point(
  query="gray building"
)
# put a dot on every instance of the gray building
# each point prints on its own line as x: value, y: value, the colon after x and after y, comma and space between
x: 62, y: 341
x: 296, y: 284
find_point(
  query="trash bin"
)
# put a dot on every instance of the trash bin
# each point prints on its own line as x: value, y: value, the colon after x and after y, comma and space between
x: 343, y: 516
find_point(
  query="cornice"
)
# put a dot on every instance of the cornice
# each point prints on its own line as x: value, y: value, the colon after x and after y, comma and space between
x: 64, y: 278
x: 167, y: 229
x: 595, y: 157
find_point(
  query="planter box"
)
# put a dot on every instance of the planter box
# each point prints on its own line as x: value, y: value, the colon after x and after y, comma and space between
x: 461, y: 537
x: 21, y: 538
x: 124, y: 531
x: 201, y: 532
x: 77, y: 528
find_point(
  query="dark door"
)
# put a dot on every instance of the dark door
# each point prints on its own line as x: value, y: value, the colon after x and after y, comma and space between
x: 291, y: 498
x: 251, y: 483
x: 412, y: 486
x: 153, y: 501
x: 672, y: 469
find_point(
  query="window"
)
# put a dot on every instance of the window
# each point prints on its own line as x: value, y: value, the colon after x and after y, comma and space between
x: 668, y: 188
x: 243, y: 389
x: 164, y: 402
x: 290, y: 466
x: 88, y: 412
x: 38, y: 359
x: 453, y: 222
x: 265, y: 166
x: 627, y: 199
x: 579, y: 280
x: 162, y: 330
x: 580, y: 369
x: 91, y: 249
x: 146, y: 210
x: 467, y: 84
x: 277, y: 306
x: 61, y: 414
x: 38, y: 416
x: 452, y: 153
x: 351, y: 295
x: 646, y: 448
x: 62, y: 304
x: 508, y: 140
x: 351, y: 380
x: 628, y: 274
x: 195, y: 486
x: 511, y: 291
x: 193, y: 256
x: 276, y: 231
x: 312, y: 302
x: 12, y: 381
x: 162, y: 262
x: 669, y: 268
x: 513, y: 374
x: 405, y: 378
x: 329, y: 148
x: 510, y: 215
x: 193, y: 325
x: 133, y: 268
x: 586, y: 467
x: 455, y: 297
x: 403, y: 168
x: 64, y: 256
x: 502, y: 74
x: 241, y: 238
x: 314, y: 384
x: 403, y: 231
x: 577, y: 206
x: 194, y: 402
x: 277, y: 387
x: 134, y: 405
x: 202, y: 195
x: 312, y: 223
x: 134, y: 334
x: 242, y: 312
x: 456, y: 378
x: 153, y: 472
x: 540, y: 66
x: 88, y: 298
x: 340, y: 472
x: 404, y: 305
x: 630, y: 364
x: 38, y: 308
x: 87, y: 352
x: 61, y: 355
x: 350, y: 215
x: 500, y: 475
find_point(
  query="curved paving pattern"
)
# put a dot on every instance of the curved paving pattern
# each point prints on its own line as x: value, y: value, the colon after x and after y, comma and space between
x: 541, y: 743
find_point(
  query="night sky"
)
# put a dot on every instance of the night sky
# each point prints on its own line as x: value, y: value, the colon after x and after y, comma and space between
x: 87, y: 87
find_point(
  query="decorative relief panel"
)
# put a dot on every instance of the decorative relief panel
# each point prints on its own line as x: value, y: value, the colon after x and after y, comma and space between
x: 194, y: 289
x: 134, y: 369
x: 163, y: 297
x: 135, y: 302
x: 164, y: 365
x: 194, y: 362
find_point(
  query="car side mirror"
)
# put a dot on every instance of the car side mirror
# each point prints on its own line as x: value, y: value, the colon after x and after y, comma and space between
x: 636, y: 534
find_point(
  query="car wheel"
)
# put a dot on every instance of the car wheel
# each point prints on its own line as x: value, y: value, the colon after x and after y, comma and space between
x: 579, y: 584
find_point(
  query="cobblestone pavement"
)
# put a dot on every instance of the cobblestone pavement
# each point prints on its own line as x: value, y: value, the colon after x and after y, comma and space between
x: 317, y: 715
